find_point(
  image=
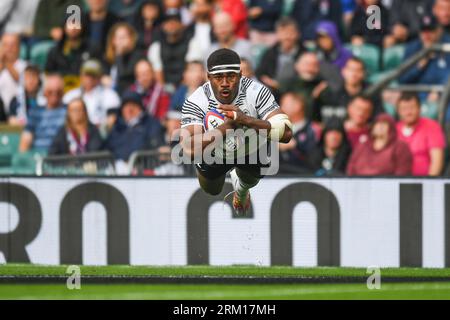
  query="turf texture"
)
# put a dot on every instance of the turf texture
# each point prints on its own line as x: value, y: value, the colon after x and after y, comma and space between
x: 357, y: 290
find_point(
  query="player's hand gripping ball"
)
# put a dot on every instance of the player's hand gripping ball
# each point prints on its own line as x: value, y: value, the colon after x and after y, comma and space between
x: 214, y: 119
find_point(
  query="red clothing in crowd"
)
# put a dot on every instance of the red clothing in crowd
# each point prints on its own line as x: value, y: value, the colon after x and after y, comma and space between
x: 155, y: 100
x: 238, y: 12
x: 425, y: 136
x: 394, y: 159
x: 357, y: 137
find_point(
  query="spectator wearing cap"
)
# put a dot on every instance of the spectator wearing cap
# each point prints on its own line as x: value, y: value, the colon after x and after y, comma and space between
x: 101, y: 102
x: 43, y: 123
x: 78, y: 135
x: 263, y: 15
x: 98, y: 21
x: 154, y: 98
x: 424, y: 136
x: 30, y: 96
x: 147, y: 23
x: 434, y: 69
x: 331, y: 155
x: 11, y: 68
x: 277, y: 63
x: 121, y: 56
x: 441, y: 10
x: 237, y: 10
x: 383, y: 154
x: 67, y: 57
x: 169, y: 55
x: 405, y: 17
x: 329, y: 45
x: 357, y: 125
x: 223, y: 27
x: 134, y: 130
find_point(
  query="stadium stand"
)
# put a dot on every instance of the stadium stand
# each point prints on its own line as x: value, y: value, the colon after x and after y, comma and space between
x: 368, y: 53
x: 385, y: 63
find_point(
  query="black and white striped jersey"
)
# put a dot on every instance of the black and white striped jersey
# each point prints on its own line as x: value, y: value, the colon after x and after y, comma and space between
x: 254, y: 99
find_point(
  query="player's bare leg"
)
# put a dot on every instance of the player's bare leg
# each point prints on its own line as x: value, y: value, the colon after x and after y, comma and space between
x: 211, y: 186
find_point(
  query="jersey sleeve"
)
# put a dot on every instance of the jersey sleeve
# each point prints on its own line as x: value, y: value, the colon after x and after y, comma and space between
x: 264, y: 100
x: 194, y: 109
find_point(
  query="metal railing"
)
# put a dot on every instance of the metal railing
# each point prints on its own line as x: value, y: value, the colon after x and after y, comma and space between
x: 155, y: 163
x: 395, y: 74
x: 98, y: 163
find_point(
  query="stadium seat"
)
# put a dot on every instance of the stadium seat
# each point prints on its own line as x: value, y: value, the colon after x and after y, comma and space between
x: 25, y: 163
x: 393, y: 57
x: 288, y: 5
x: 23, y: 51
x: 368, y: 53
x: 389, y: 109
x: 430, y: 110
x: 9, y: 145
x: 376, y: 77
x: 39, y: 52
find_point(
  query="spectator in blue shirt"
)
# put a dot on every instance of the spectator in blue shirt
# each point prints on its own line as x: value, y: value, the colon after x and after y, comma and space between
x: 404, y: 20
x: 134, y: 130
x: 99, y: 20
x: 433, y: 69
x: 44, y: 123
x: 30, y: 96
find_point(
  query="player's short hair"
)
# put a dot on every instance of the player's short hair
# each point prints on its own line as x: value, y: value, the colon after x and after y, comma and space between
x: 224, y: 60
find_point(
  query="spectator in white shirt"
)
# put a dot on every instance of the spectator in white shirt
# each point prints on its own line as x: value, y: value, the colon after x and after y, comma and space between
x: 11, y: 68
x: 201, y: 29
x: 101, y: 102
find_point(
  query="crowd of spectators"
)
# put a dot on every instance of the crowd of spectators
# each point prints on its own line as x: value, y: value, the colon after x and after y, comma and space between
x: 118, y: 81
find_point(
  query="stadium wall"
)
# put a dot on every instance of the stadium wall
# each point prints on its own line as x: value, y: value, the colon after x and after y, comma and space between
x: 294, y: 221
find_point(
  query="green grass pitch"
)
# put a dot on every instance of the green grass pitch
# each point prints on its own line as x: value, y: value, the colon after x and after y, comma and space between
x: 410, y: 290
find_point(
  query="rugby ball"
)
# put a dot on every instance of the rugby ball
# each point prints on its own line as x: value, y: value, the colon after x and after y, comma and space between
x: 213, y: 119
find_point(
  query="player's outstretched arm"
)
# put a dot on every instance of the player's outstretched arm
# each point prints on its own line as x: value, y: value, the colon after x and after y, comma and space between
x: 277, y: 124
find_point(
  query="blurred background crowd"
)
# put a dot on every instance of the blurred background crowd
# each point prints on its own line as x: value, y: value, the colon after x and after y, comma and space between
x: 118, y: 83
